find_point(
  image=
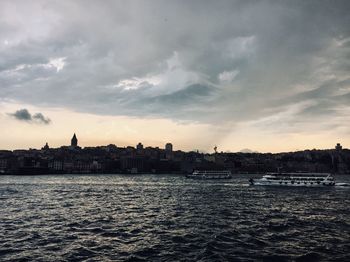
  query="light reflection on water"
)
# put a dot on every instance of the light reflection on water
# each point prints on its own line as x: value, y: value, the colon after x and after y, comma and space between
x: 169, y: 218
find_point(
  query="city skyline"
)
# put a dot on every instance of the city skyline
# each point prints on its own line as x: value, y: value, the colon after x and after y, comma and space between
x: 168, y: 146
x: 270, y: 77
x: 113, y: 159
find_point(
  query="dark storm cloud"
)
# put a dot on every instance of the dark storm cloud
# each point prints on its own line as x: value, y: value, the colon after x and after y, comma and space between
x: 208, y: 61
x: 25, y: 115
x: 22, y: 114
x: 41, y: 118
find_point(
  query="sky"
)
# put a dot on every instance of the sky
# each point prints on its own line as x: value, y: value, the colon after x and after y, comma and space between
x: 270, y: 76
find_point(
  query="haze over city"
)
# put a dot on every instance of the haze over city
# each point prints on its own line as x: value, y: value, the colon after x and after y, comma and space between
x: 270, y: 76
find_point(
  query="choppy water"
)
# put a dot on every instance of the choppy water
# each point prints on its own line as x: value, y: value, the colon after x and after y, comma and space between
x: 169, y: 218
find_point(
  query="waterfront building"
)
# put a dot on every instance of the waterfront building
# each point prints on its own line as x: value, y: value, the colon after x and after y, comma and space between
x: 169, y: 151
x: 3, y: 164
x: 136, y: 164
x: 56, y: 165
x: 209, y: 157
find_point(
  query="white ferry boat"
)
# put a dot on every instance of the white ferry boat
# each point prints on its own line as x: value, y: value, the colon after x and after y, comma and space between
x: 210, y: 174
x: 294, y: 179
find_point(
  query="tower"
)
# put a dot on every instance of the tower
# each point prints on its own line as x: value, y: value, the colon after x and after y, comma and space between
x: 169, y: 147
x: 169, y: 151
x: 74, y: 141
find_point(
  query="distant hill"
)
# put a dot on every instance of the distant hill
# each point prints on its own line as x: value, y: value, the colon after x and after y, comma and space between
x: 248, y: 151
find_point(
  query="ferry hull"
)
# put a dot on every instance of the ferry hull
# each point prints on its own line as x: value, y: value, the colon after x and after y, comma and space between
x: 258, y: 182
x: 294, y: 179
x: 208, y: 177
x: 210, y: 174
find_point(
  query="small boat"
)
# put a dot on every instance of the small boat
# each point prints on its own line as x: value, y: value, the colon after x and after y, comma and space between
x: 210, y: 174
x: 294, y: 179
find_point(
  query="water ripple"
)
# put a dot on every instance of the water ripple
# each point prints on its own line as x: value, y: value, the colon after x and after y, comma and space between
x: 169, y: 218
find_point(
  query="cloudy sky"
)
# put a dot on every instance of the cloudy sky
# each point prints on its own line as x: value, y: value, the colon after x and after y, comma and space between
x: 266, y: 75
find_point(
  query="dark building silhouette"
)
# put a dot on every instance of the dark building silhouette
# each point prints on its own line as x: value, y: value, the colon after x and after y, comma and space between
x: 169, y: 151
x: 74, y: 141
x: 338, y: 147
x: 168, y: 147
x: 139, y: 146
x: 46, y: 147
x: 112, y: 159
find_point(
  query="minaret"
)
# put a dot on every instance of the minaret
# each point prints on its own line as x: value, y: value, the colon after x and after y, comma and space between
x: 74, y: 141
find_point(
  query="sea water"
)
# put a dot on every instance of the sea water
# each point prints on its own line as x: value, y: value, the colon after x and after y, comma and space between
x: 170, y: 218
